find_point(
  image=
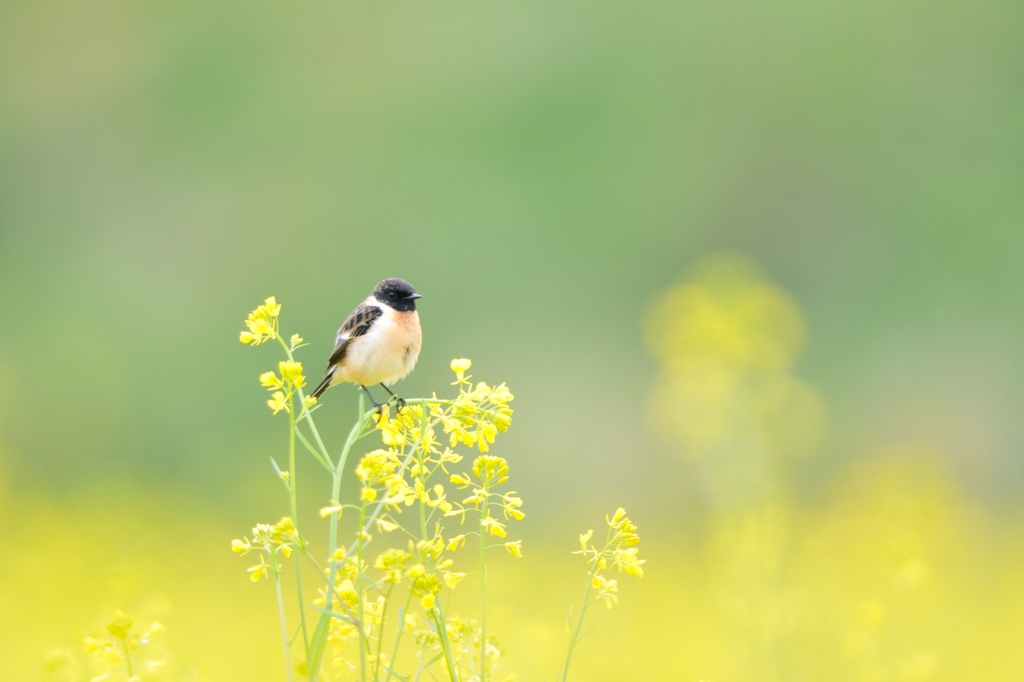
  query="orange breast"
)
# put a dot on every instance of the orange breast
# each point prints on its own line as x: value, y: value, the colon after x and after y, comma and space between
x: 411, y: 338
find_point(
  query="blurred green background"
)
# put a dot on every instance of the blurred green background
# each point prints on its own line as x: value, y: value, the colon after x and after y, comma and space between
x: 542, y: 172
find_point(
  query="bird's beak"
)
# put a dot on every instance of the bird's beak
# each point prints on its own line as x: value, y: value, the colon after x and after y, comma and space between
x: 413, y: 297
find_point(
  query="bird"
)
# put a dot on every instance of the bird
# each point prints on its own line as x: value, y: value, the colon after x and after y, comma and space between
x: 378, y: 343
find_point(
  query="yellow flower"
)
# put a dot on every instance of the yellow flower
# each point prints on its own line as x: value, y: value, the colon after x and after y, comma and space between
x: 452, y: 579
x: 157, y: 628
x: 430, y: 549
x: 456, y: 542
x: 391, y: 431
x: 348, y: 666
x: 626, y: 561
x: 335, y: 508
x: 108, y: 656
x: 120, y: 626
x: 270, y: 380
x: 510, y: 506
x: 428, y: 601
x: 585, y: 538
x: 515, y: 548
x: 606, y: 590
x: 392, y: 562
x: 284, y: 531
x: 261, y: 323
x: 493, y: 526
x: 240, y: 546
x: 459, y: 366
x: 291, y: 372
x: 426, y: 585
x: 278, y: 401
x: 501, y: 395
x: 259, y: 570
x: 490, y: 468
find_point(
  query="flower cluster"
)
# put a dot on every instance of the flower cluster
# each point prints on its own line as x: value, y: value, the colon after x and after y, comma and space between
x: 261, y: 324
x: 116, y: 655
x: 465, y: 638
x: 269, y: 540
x: 371, y: 603
x: 283, y: 387
x: 619, y: 552
x: 490, y: 471
x: 726, y: 341
x: 414, y: 428
x: 478, y: 413
x: 402, y: 474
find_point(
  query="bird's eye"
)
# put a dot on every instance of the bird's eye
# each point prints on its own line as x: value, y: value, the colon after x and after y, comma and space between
x: 391, y: 294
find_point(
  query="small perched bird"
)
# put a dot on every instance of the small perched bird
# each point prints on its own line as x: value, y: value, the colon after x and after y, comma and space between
x: 379, y: 341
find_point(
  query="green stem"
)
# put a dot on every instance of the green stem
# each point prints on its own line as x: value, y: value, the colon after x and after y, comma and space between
x: 483, y: 583
x: 359, y: 591
x: 326, y: 464
x: 380, y: 637
x: 293, y: 488
x: 280, y: 613
x: 442, y: 631
x: 302, y: 401
x: 398, y: 637
x: 127, y: 656
x: 337, y: 473
x: 445, y: 646
x: 583, y: 610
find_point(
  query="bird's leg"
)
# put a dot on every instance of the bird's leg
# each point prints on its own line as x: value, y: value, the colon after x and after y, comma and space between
x: 399, y: 401
x: 370, y: 396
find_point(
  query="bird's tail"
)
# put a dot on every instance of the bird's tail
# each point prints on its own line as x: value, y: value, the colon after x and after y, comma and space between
x: 324, y: 385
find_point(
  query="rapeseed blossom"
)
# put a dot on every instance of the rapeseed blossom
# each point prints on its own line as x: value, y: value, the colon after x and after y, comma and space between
x: 414, y: 473
x: 619, y: 553
x: 269, y: 540
x: 127, y: 653
x: 726, y: 341
x: 261, y: 324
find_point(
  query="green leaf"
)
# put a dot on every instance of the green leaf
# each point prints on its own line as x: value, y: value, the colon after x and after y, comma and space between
x: 317, y: 646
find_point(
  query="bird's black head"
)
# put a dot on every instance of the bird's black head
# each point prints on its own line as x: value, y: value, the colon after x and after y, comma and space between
x: 396, y: 293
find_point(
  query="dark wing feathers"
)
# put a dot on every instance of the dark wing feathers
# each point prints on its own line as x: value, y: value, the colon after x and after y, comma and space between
x: 359, y: 321
x: 356, y: 324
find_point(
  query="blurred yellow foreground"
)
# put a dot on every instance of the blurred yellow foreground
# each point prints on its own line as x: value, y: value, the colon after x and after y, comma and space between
x: 889, y: 573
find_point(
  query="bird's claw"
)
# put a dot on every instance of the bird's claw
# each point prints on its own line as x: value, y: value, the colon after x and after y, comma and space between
x: 399, y: 406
